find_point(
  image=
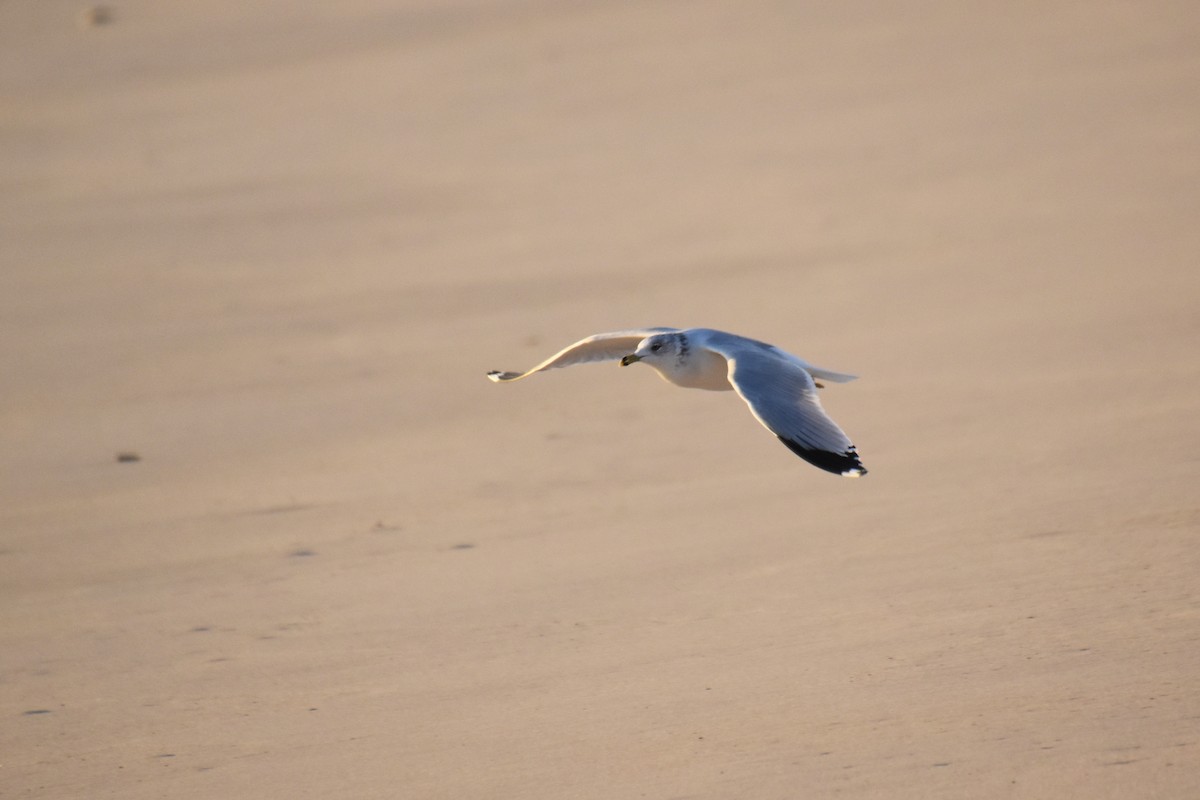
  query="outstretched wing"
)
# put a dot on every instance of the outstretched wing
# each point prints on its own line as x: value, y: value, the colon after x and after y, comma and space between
x: 783, y: 397
x: 601, y: 347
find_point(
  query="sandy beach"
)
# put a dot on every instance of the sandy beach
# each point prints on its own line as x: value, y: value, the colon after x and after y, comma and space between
x: 266, y: 530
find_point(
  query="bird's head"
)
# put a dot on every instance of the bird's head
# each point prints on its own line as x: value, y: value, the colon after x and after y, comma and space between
x: 657, y: 348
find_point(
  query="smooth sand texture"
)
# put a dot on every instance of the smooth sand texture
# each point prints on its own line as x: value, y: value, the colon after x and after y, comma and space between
x: 272, y: 251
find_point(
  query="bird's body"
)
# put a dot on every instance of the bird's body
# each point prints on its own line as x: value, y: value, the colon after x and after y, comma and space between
x: 779, y: 387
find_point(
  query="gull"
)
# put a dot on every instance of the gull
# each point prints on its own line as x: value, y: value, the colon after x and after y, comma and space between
x: 779, y: 387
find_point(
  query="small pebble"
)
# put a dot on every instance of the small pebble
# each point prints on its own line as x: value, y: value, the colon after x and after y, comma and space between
x: 96, y: 16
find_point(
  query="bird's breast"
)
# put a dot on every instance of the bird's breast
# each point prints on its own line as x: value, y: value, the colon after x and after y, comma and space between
x: 702, y: 369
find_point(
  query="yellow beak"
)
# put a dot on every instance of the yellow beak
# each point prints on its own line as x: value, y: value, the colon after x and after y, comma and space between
x: 629, y: 359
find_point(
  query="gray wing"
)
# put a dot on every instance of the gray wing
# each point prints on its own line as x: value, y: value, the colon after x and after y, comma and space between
x: 783, y: 397
x: 600, y: 347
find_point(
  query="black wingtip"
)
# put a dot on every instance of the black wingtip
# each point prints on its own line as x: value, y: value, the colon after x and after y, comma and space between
x: 847, y: 463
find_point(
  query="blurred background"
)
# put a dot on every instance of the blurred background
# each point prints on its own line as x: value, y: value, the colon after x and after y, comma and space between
x: 268, y: 251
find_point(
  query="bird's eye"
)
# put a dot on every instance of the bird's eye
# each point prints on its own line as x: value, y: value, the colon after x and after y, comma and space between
x: 656, y: 347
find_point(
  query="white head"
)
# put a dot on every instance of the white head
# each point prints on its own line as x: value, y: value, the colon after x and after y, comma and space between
x: 662, y: 350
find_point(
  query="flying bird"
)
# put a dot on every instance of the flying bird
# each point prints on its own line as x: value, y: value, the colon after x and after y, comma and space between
x: 779, y: 387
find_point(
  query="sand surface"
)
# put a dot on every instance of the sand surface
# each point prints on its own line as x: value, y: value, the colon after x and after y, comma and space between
x: 270, y: 250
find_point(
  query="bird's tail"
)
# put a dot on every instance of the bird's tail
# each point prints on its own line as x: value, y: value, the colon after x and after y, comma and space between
x: 822, y: 374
